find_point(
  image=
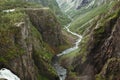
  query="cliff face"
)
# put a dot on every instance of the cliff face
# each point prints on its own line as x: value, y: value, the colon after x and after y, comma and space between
x: 68, y: 5
x: 49, y: 27
x: 98, y: 55
x: 28, y: 40
x: 23, y: 65
x: 15, y: 52
x: 102, y: 50
x: 52, y: 4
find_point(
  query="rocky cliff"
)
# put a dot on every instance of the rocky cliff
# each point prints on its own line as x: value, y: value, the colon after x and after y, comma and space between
x: 67, y: 5
x: 28, y: 40
x: 15, y: 51
x: 102, y: 50
x: 77, y: 8
x: 98, y: 55
x: 49, y: 27
x: 52, y: 4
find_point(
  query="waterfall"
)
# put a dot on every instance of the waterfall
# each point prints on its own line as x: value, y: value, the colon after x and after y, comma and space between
x: 7, y: 74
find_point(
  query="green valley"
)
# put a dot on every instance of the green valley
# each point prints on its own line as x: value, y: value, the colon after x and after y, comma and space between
x: 59, y: 39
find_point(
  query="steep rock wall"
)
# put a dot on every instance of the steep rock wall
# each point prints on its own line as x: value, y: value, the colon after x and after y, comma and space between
x: 52, y: 4
x: 24, y: 49
x: 49, y: 27
x: 102, y: 50
x: 67, y: 5
x: 15, y: 52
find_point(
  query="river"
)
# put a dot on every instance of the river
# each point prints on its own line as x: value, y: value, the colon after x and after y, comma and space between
x: 61, y: 71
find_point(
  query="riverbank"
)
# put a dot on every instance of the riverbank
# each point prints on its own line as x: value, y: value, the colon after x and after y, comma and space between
x: 61, y: 71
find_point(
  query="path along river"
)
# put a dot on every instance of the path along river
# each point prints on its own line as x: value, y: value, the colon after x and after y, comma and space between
x: 61, y: 71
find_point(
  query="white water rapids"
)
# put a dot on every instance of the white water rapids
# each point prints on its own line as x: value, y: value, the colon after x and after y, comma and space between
x: 62, y: 72
x: 7, y: 75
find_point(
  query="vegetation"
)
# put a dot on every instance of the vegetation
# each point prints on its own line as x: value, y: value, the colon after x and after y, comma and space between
x: 12, y: 42
x: 11, y: 45
x: 98, y: 32
x: 52, y: 4
x: 55, y: 8
x: 8, y: 49
x: 42, y: 56
x: 42, y: 78
x: 13, y: 4
x: 84, y: 20
x: 110, y: 69
x: 97, y: 28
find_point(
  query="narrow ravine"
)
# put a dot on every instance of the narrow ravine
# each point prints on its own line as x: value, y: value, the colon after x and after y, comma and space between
x: 61, y: 71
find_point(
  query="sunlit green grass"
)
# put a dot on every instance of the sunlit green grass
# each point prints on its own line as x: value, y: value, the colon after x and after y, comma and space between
x: 84, y: 18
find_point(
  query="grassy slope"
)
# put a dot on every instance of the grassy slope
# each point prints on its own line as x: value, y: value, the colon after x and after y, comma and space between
x: 55, y: 8
x: 7, y: 30
x: 42, y: 55
x: 84, y: 18
x: 67, y: 59
x: 75, y: 26
x: 10, y: 4
x: 42, y: 51
x: 52, y: 4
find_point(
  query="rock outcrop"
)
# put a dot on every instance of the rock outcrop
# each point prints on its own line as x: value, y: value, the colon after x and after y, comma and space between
x: 70, y: 5
x: 102, y: 50
x: 28, y: 43
x: 16, y: 52
x: 47, y: 24
x: 52, y: 4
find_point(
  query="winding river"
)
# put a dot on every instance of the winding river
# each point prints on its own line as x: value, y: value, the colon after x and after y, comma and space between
x: 61, y: 71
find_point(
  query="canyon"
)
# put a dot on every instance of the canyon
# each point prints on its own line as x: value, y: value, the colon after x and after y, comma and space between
x: 59, y: 40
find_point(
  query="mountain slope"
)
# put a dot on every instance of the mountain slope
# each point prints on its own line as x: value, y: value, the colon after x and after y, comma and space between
x: 102, y: 50
x: 52, y: 4
x: 70, y: 5
x: 30, y: 36
x: 98, y: 55
x: 85, y: 10
x: 25, y: 48
x: 83, y: 20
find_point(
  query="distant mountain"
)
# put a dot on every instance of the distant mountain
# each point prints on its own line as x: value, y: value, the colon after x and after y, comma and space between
x: 83, y: 11
x: 67, y: 5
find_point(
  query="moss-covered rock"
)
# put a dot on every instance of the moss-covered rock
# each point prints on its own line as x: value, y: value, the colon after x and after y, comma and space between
x: 52, y: 4
x: 13, y: 4
x: 47, y: 24
x: 15, y: 51
x: 23, y: 49
x: 98, y: 46
x: 42, y: 55
x: 10, y: 36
